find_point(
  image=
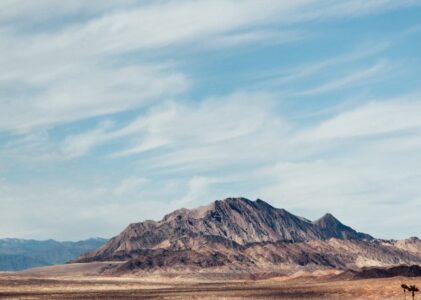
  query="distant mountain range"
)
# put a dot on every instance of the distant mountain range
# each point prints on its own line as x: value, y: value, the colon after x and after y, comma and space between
x: 376, y: 272
x: 240, y: 235
x: 19, y: 254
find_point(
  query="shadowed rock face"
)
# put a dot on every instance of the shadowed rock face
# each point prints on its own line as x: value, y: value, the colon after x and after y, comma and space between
x: 366, y: 273
x: 332, y: 228
x: 240, y: 234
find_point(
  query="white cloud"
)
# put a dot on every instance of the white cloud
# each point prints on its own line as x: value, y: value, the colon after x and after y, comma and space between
x: 146, y: 145
x: 362, y: 188
x: 85, y: 91
x: 198, y: 189
x: 130, y: 185
x: 332, y: 73
x: 64, y: 210
x: 107, y: 58
x: 361, y: 77
x: 372, y: 178
x: 56, y: 209
x: 363, y: 161
x: 78, y: 145
x: 21, y: 11
x: 228, y: 130
x: 71, y: 73
x: 258, y: 37
x: 370, y: 119
x: 207, y: 126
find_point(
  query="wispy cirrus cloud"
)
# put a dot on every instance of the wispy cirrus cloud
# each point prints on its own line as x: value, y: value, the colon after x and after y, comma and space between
x: 368, y: 120
x: 360, y: 77
x: 129, y: 109
x: 64, y: 75
x: 180, y: 126
x: 272, y: 158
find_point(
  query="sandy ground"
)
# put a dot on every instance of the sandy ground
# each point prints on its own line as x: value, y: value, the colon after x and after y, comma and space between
x: 31, y: 286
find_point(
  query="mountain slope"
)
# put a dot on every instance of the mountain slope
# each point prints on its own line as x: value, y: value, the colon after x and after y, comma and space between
x: 376, y: 272
x: 19, y: 254
x: 333, y: 228
x: 236, y: 221
x: 268, y: 257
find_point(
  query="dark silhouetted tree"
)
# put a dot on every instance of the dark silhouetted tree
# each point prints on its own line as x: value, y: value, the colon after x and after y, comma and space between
x: 413, y: 289
x: 405, y: 288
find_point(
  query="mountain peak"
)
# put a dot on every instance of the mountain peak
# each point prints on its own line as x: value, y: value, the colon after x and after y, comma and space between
x: 235, y: 220
x: 242, y: 199
x: 235, y: 200
x: 258, y: 203
x: 240, y: 234
x: 333, y: 228
x: 201, y: 211
x: 327, y: 220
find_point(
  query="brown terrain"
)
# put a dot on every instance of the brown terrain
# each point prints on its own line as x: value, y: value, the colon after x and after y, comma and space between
x: 230, y: 249
x: 302, y: 285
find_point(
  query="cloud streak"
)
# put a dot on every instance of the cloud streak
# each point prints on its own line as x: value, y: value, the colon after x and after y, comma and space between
x: 113, y: 112
x: 64, y: 75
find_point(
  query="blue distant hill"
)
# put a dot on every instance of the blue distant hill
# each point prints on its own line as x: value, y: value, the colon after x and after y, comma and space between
x: 20, y: 254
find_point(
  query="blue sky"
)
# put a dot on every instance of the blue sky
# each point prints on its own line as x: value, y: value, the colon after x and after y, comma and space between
x: 116, y: 112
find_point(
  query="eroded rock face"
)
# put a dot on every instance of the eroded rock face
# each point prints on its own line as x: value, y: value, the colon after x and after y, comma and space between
x: 248, y: 235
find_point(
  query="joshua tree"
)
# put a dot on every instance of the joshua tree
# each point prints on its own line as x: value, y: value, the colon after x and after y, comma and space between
x: 405, y: 288
x: 413, y: 289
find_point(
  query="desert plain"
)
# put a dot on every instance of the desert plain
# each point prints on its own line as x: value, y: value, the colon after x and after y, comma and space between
x: 58, y: 284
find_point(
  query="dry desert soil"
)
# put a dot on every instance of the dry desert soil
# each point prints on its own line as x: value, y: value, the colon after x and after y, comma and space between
x: 305, y: 286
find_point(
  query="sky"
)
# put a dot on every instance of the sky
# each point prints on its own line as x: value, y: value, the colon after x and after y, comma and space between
x: 114, y: 112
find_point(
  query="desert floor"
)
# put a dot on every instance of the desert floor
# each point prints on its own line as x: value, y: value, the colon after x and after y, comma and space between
x: 26, y: 286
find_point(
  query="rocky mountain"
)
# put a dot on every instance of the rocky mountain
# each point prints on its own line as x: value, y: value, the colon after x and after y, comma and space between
x: 19, y: 254
x: 239, y: 235
x: 335, y: 229
x: 233, y: 221
x: 376, y: 272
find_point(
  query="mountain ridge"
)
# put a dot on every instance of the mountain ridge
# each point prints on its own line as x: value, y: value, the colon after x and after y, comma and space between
x: 338, y: 230
x: 19, y: 254
x: 238, y: 220
x: 376, y: 272
x: 240, y: 235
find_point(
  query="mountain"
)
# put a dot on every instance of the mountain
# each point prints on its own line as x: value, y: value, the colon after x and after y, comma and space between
x: 239, y: 235
x: 235, y: 221
x: 376, y: 272
x: 266, y: 257
x: 335, y: 229
x: 19, y: 254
